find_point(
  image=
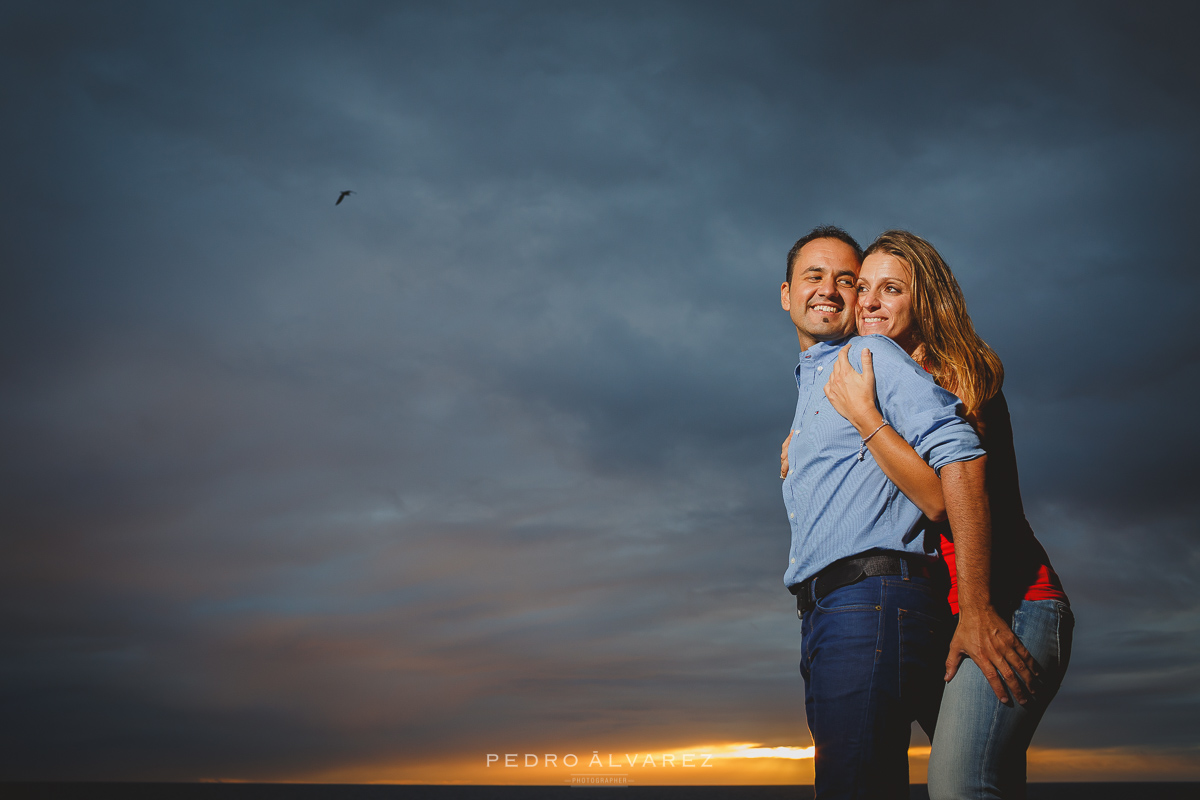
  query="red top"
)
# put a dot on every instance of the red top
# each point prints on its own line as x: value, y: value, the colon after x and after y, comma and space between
x: 1020, y: 567
x: 1044, y: 586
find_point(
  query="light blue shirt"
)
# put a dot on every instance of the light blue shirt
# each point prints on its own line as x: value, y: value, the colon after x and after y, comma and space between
x: 839, y: 506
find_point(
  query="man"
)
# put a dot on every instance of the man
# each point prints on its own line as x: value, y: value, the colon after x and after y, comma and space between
x: 869, y: 586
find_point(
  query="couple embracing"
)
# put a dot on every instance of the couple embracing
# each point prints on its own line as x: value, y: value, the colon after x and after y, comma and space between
x: 922, y: 591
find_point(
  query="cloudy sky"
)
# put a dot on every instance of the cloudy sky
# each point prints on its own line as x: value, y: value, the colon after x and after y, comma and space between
x: 484, y: 459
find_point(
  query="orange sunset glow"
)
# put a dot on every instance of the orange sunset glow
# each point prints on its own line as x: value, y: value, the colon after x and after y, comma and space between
x: 738, y: 764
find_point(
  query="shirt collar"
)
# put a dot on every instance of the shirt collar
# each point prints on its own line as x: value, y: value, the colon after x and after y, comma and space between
x: 822, y: 349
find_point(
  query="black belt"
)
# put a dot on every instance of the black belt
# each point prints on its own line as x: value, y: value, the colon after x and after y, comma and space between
x: 852, y: 570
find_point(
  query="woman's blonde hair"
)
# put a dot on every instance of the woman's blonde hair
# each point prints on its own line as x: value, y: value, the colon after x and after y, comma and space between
x: 948, y: 346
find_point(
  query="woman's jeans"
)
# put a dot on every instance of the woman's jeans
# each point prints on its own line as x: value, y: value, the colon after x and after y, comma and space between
x: 872, y: 658
x: 980, y: 743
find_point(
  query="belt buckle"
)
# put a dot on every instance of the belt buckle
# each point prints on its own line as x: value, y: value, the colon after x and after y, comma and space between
x: 803, y: 602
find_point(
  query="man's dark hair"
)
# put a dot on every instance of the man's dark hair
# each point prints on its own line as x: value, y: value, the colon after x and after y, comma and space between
x: 822, y: 232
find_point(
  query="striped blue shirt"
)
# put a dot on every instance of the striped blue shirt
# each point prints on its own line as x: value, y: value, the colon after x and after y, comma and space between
x: 839, y: 506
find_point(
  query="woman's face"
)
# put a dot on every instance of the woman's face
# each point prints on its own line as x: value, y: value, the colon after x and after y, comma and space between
x: 885, y: 300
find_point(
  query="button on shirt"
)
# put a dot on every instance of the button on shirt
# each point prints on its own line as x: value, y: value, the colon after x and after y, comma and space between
x: 839, y: 506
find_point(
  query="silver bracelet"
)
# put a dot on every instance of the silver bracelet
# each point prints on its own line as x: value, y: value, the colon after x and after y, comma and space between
x: 862, y: 448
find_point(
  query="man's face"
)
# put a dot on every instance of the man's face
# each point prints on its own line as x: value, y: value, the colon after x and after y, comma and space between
x: 820, y: 297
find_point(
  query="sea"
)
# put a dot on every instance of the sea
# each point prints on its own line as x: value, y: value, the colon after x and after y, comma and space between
x: 294, y: 791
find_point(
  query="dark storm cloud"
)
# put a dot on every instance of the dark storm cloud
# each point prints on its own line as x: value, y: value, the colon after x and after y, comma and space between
x: 486, y: 454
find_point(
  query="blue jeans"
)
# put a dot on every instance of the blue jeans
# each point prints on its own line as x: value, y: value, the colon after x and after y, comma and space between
x: 872, y: 656
x: 980, y: 743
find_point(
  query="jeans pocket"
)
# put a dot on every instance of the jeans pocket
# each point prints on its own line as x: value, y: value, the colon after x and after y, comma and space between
x: 862, y: 596
x: 923, y: 643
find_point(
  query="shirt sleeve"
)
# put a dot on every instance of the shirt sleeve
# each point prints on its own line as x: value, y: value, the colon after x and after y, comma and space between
x: 923, y: 413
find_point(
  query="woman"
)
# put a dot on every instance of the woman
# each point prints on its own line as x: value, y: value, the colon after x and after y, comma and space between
x: 907, y: 293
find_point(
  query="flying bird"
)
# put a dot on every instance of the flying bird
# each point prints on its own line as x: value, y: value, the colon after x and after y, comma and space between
x: 342, y: 197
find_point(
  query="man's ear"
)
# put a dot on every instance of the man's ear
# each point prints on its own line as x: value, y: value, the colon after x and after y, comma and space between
x: 785, y: 297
